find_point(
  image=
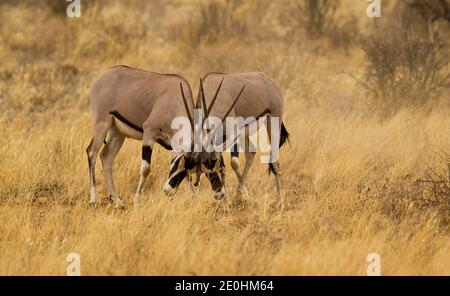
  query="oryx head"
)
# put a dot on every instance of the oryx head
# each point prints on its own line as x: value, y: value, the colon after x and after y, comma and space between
x: 198, y: 160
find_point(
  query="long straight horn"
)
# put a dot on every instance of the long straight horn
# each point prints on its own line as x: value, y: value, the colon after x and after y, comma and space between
x: 186, y: 106
x: 202, y: 95
x: 214, y: 98
x: 228, y: 112
x: 234, y: 103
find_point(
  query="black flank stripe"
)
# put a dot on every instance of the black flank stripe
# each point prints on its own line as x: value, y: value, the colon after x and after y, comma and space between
x: 164, y: 144
x: 126, y: 121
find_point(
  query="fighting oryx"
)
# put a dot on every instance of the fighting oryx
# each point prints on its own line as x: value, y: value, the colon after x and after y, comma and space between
x: 219, y: 91
x: 138, y: 104
x: 261, y: 98
x: 197, y: 159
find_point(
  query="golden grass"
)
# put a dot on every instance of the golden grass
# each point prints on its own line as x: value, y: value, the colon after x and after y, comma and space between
x: 348, y: 173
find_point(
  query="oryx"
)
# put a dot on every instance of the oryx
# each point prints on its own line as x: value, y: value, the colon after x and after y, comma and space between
x: 197, y: 159
x: 138, y: 104
x: 219, y: 91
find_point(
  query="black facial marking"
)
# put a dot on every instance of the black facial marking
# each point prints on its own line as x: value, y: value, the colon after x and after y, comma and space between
x: 221, y: 161
x: 215, y: 181
x: 177, y: 179
x: 174, y: 168
x: 146, y: 153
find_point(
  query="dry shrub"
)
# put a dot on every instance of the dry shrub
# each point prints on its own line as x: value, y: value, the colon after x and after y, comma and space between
x: 213, y: 21
x: 435, y: 188
x: 219, y: 20
x: 405, y: 68
x: 400, y: 197
x: 320, y: 18
x: 315, y: 16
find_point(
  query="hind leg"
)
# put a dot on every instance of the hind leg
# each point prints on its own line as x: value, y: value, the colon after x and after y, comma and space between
x: 250, y: 152
x: 100, y: 131
x: 107, y: 155
x: 273, y: 131
x: 223, y: 175
x: 249, y: 157
x: 235, y: 166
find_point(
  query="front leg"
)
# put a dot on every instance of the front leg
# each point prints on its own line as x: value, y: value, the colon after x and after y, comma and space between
x: 191, y: 187
x: 147, y: 149
x: 223, y: 173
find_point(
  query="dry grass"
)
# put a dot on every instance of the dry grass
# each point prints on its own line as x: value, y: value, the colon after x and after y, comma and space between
x: 350, y: 175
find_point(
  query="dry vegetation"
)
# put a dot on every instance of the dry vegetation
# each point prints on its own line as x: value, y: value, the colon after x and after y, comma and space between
x: 366, y: 169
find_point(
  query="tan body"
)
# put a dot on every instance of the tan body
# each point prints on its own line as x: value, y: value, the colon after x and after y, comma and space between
x: 261, y: 98
x: 138, y: 104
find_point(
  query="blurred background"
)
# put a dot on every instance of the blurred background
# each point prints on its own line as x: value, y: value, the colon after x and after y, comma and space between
x: 366, y: 102
x: 327, y: 54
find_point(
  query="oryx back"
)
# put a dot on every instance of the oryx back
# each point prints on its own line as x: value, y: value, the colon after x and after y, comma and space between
x: 136, y: 98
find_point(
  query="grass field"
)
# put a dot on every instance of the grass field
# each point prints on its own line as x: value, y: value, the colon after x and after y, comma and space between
x: 353, y: 173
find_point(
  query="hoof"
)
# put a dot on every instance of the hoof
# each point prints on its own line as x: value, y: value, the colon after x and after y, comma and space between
x: 118, y: 204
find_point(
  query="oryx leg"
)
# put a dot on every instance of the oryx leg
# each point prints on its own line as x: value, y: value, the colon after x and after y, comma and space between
x: 250, y: 152
x: 147, y: 148
x: 191, y: 186
x: 249, y: 157
x: 107, y: 156
x: 235, y: 165
x: 223, y: 173
x: 274, y: 165
x: 100, y: 132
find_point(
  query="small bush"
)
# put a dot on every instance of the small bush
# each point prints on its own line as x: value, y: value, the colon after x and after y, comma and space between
x: 320, y: 18
x: 314, y: 15
x: 404, y: 68
x: 214, y: 21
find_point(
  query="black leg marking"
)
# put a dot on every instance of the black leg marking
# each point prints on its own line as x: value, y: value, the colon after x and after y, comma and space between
x: 146, y: 153
x: 235, y: 151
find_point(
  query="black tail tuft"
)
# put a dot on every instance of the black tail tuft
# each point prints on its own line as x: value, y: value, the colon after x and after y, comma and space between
x: 271, y: 169
x: 284, y: 135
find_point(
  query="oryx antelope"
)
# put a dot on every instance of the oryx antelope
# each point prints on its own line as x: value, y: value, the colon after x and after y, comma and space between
x: 261, y: 97
x: 199, y: 160
x: 137, y: 104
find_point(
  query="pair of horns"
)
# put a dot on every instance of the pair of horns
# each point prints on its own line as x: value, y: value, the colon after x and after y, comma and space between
x: 207, y: 111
